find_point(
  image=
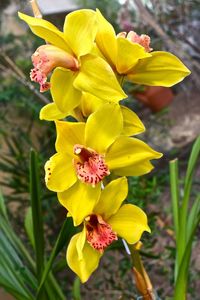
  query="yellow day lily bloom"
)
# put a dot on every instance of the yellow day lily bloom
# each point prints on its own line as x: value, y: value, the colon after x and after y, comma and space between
x: 88, y: 152
x: 104, y: 223
x: 129, y: 54
x: 76, y: 69
x: 132, y: 125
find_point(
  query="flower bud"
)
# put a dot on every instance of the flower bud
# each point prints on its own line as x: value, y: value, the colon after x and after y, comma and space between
x: 45, y: 59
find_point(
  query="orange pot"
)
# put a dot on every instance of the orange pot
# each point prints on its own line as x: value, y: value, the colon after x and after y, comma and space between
x: 156, y: 97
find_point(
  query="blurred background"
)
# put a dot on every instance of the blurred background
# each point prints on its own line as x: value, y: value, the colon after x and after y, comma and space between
x: 171, y: 117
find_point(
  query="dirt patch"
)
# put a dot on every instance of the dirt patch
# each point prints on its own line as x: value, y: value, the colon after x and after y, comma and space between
x: 176, y: 126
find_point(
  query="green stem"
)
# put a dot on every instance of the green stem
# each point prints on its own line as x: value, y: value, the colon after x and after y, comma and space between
x: 121, y: 79
x: 136, y: 259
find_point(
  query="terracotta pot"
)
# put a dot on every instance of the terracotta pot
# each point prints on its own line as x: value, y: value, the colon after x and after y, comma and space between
x: 156, y: 97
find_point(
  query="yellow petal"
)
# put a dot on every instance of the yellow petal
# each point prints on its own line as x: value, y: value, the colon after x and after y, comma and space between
x: 46, y: 31
x: 111, y: 198
x: 129, y: 223
x: 60, y: 174
x: 68, y: 135
x: 106, y: 39
x: 80, y: 30
x: 96, y: 77
x: 161, y: 69
x: 63, y: 92
x: 128, y: 55
x: 99, y: 130
x: 80, y: 200
x: 81, y: 242
x: 126, y: 151
x: 136, y: 169
x: 85, y: 266
x: 50, y: 112
x: 90, y: 103
x: 96, y: 52
x: 132, y: 125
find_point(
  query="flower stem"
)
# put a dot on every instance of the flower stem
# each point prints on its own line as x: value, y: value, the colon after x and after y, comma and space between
x: 35, y: 8
x: 121, y: 79
x: 142, y: 279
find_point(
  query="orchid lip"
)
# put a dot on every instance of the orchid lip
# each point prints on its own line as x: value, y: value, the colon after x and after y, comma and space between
x: 45, y: 59
x: 90, y: 166
x: 99, y: 233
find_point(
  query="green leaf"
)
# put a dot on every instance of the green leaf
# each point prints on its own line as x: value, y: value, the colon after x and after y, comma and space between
x: 193, y: 216
x: 14, y: 276
x: 16, y: 242
x: 181, y: 282
x: 28, y: 224
x: 36, y: 214
x: 195, y: 153
x: 3, y: 210
x: 183, y: 235
x: 63, y: 238
x: 174, y: 183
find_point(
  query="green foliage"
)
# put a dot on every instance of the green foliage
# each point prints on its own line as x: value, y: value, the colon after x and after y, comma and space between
x: 37, y: 219
x: 21, y: 275
x: 76, y: 289
x: 16, y: 265
x: 28, y: 224
x: 64, y: 236
x: 186, y: 219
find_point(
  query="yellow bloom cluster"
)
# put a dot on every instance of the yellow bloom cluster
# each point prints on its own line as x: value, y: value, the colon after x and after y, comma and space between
x: 87, y: 62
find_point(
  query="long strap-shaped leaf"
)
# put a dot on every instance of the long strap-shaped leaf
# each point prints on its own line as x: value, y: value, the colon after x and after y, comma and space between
x: 181, y: 282
x: 183, y: 236
x: 36, y: 215
x: 65, y: 234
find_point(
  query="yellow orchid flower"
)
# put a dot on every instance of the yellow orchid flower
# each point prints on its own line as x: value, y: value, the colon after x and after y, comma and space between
x: 132, y: 125
x: 129, y: 56
x: 102, y: 225
x: 88, y: 152
x: 69, y: 52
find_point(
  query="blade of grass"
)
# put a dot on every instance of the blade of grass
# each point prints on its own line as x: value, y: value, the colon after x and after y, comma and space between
x: 14, y: 240
x: 195, y: 153
x: 194, y: 212
x: 182, y: 237
x: 63, y: 237
x: 36, y: 214
x: 3, y: 210
x: 174, y: 184
x: 181, y: 282
x: 11, y: 272
x: 28, y: 224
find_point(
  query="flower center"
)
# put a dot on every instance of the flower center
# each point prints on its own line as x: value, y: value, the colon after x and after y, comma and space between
x: 99, y: 234
x: 90, y: 167
x: 143, y: 39
x: 45, y: 59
